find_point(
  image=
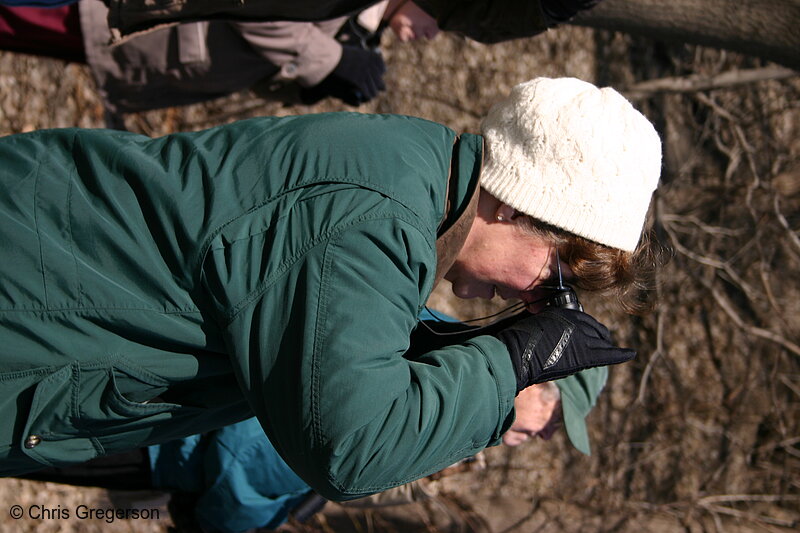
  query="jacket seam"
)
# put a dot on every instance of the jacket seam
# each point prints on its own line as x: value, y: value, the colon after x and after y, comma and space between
x: 38, y: 231
x: 192, y: 311
x: 286, y: 264
x: 70, y: 192
x: 319, y: 337
x: 43, y: 371
x: 207, y: 245
x: 452, y: 458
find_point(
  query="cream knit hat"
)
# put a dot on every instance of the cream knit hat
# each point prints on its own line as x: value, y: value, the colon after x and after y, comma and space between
x: 574, y: 156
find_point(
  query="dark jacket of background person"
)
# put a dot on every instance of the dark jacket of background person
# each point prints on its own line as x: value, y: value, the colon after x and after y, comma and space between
x: 483, y: 20
x: 131, y: 16
x: 198, y: 61
x: 159, y: 288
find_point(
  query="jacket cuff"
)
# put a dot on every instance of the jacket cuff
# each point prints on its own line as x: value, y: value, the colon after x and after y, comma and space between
x: 499, y: 362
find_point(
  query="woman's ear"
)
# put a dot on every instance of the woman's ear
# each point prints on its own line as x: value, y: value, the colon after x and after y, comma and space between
x: 504, y: 213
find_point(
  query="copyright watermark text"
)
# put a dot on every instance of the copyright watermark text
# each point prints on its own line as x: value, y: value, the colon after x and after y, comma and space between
x: 82, y: 512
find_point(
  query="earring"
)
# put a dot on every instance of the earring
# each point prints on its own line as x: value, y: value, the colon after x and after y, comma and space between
x: 500, y: 218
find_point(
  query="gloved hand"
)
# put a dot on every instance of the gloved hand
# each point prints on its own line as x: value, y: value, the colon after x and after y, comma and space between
x: 357, y: 78
x: 556, y: 343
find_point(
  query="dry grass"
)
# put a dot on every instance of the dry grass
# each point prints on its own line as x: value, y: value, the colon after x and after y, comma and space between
x: 701, y: 432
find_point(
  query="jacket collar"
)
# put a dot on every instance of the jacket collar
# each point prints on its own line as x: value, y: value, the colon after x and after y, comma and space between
x: 461, y: 203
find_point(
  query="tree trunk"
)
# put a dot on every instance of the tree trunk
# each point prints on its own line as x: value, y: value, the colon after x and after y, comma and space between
x: 769, y: 29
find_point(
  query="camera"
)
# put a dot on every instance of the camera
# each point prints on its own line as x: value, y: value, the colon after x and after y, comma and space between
x: 562, y: 296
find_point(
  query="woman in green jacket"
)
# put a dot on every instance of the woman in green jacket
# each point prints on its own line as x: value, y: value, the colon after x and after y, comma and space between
x: 158, y: 288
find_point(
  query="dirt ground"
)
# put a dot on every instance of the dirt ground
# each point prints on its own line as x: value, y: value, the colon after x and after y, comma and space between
x: 702, y: 431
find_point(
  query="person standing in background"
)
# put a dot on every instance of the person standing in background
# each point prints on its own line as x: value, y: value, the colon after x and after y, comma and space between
x: 192, y: 62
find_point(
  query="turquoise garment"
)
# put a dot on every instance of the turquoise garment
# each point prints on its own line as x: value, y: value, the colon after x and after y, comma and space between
x: 241, y: 480
x: 159, y: 288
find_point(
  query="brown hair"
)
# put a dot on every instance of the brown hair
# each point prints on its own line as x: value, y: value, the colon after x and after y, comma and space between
x: 629, y: 276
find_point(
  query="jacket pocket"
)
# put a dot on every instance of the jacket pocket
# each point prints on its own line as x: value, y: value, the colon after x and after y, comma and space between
x: 82, y: 411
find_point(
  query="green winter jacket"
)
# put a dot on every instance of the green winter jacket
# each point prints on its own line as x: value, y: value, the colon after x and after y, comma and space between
x: 157, y: 288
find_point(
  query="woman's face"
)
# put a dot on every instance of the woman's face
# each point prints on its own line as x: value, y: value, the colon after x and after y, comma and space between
x: 500, y: 258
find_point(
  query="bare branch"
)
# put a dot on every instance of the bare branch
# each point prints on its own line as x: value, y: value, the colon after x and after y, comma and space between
x: 753, y: 330
x: 733, y: 276
x: 793, y: 237
x: 655, y: 357
x: 700, y: 82
x: 792, y: 386
x: 750, y: 516
x: 719, y: 498
x: 711, y: 230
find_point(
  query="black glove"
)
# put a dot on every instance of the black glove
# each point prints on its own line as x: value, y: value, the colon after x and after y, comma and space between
x: 557, y: 343
x: 358, y: 78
